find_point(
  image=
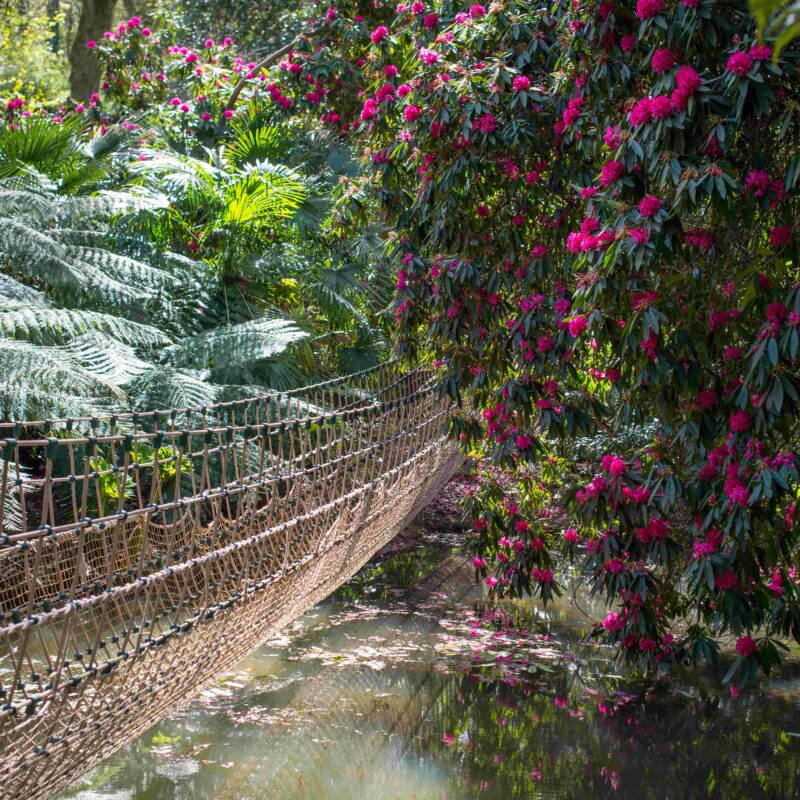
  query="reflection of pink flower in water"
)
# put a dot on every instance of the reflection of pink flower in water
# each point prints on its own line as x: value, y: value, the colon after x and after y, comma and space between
x: 612, y: 776
x: 448, y: 739
x: 536, y: 774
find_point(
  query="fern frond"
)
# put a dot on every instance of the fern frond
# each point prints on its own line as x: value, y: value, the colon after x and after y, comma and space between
x: 234, y: 346
x: 280, y: 375
x: 179, y: 177
x: 12, y: 510
x: 13, y: 291
x: 26, y: 203
x: 107, y: 204
x: 52, y: 326
x: 37, y: 257
x: 124, y: 269
x: 47, y: 381
x: 166, y: 387
x: 29, y: 180
x: 110, y: 360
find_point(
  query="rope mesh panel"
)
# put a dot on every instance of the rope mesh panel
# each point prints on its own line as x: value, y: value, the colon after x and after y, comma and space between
x: 143, y: 554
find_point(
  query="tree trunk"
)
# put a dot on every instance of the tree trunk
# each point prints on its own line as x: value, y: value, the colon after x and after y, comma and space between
x: 97, y: 16
x: 52, y: 9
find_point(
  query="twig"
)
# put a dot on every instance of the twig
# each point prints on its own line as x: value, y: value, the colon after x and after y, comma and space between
x: 266, y: 61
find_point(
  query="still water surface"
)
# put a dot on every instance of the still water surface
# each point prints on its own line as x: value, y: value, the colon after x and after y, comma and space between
x: 399, y: 687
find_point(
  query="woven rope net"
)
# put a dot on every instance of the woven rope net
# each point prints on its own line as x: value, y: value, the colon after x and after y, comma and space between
x: 143, y: 554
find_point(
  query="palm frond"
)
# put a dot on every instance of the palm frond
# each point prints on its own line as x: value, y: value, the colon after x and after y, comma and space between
x: 95, y: 161
x: 250, y: 145
x: 265, y: 193
x: 333, y: 289
x: 38, y: 142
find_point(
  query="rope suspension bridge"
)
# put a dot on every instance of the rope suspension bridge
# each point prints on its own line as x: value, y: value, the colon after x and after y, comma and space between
x: 143, y: 554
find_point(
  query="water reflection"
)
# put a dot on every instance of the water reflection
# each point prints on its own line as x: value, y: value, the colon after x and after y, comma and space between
x: 367, y: 697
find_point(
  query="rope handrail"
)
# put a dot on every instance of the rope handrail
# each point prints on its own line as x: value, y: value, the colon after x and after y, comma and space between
x: 99, y: 586
x: 172, y: 413
x: 346, y: 411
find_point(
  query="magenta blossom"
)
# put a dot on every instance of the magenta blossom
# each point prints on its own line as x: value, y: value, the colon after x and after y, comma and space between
x: 739, y: 64
x: 649, y: 206
x: 647, y: 9
x: 612, y: 171
x: 379, y: 34
x: 779, y: 236
x: 740, y: 422
x: 746, y: 646
x: 663, y: 60
x: 521, y: 83
x: 577, y: 326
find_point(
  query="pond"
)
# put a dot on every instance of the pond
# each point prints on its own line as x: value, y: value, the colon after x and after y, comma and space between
x: 403, y: 685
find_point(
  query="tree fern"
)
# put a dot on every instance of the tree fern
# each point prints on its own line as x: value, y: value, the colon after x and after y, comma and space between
x: 124, y: 269
x: 167, y: 387
x: 37, y: 381
x: 17, y: 292
x: 61, y: 325
x: 92, y: 304
x: 229, y: 348
x: 11, y: 520
x: 109, y: 359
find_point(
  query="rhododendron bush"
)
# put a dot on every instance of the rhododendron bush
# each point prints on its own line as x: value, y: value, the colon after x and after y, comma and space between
x: 595, y: 215
x: 593, y: 212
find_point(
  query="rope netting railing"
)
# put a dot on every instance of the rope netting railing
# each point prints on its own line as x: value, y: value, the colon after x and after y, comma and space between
x: 142, y: 554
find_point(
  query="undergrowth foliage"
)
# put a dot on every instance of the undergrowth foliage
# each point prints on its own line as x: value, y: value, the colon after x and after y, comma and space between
x: 87, y: 326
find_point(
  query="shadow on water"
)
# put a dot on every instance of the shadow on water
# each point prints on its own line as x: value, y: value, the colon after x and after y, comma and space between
x: 401, y: 686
